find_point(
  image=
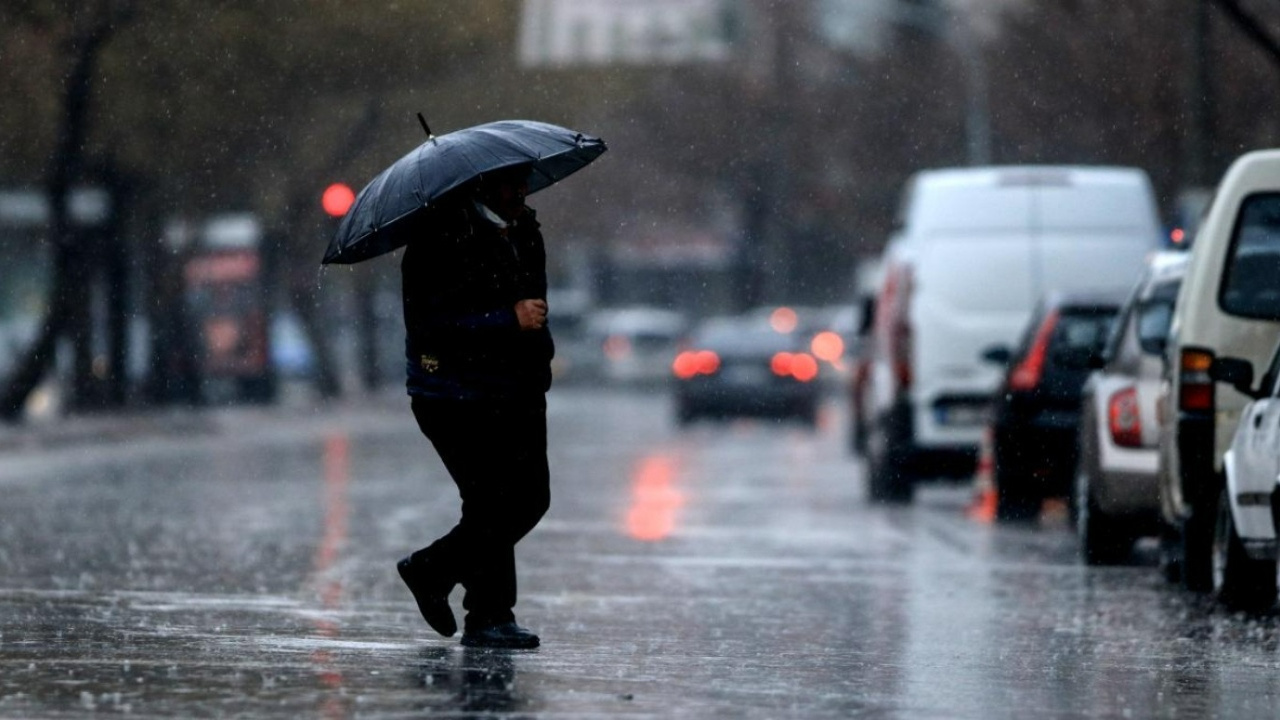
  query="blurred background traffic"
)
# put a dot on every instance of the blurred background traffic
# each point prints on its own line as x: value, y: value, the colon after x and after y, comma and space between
x: 174, y: 170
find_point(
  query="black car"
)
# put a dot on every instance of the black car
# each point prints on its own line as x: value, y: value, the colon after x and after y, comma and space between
x: 1036, y: 412
x: 743, y: 366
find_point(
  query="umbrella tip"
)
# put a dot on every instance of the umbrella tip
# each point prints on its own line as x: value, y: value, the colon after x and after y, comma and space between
x: 426, y: 128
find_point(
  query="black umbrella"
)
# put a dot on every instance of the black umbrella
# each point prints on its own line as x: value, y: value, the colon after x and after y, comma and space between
x: 378, y: 220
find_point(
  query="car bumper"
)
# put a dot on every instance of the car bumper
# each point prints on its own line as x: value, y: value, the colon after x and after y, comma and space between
x: 1042, y: 456
x: 730, y: 398
x: 1127, y: 493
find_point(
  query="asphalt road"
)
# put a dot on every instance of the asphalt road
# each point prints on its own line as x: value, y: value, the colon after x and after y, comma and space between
x: 243, y: 566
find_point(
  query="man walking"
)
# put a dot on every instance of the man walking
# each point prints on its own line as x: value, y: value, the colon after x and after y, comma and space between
x: 479, y: 365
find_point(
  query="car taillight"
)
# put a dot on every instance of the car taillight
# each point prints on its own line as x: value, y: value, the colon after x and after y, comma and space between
x: 801, y: 366
x: 691, y: 363
x: 827, y: 346
x: 1124, y: 419
x: 895, y: 309
x: 1026, y: 376
x: 617, y: 347
x: 1195, y: 387
x: 902, y: 355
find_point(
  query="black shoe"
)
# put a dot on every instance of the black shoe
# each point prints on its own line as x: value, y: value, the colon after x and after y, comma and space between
x: 502, y: 635
x: 432, y: 595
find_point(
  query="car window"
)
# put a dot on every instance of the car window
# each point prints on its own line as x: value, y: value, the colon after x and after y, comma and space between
x: 1082, y: 331
x: 1157, y: 324
x: 1249, y: 288
x: 742, y: 338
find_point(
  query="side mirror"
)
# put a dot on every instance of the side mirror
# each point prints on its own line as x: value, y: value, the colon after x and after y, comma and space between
x: 1153, y: 326
x: 997, y: 355
x: 1235, y: 372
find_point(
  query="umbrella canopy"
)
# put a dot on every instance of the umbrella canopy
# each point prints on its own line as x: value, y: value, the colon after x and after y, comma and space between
x: 377, y: 221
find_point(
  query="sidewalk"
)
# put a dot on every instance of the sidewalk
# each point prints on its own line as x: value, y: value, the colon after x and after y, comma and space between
x: 134, y: 424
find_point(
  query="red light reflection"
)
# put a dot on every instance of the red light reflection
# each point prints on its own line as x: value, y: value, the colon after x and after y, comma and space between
x: 783, y: 320
x: 655, y: 500
x: 337, y: 474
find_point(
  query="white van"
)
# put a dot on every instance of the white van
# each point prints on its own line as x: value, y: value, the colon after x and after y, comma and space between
x: 977, y: 248
x: 1228, y: 306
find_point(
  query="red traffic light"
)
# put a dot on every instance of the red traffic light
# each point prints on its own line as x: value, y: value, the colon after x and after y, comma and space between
x: 337, y: 199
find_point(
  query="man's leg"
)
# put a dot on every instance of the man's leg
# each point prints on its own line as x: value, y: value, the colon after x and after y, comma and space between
x: 496, y: 454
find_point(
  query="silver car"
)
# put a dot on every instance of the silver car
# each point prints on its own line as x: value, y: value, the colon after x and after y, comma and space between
x: 1116, y: 495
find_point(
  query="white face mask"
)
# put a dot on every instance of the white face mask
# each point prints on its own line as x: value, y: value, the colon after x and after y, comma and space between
x: 490, y: 215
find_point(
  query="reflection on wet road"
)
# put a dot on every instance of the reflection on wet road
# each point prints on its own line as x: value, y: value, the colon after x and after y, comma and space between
x: 655, y: 500
x: 722, y: 570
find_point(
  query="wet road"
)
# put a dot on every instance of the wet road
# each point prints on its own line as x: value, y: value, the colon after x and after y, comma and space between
x: 719, y: 571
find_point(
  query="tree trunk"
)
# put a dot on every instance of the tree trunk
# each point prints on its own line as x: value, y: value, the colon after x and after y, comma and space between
x: 65, y: 168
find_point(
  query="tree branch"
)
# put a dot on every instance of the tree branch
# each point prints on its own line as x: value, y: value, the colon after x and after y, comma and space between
x: 1252, y: 27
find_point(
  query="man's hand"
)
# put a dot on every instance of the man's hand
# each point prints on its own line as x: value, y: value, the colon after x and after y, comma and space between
x: 532, y: 314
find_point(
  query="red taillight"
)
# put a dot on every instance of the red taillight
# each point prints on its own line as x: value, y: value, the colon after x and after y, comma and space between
x: 1195, y: 387
x: 708, y: 362
x: 783, y: 320
x: 801, y: 366
x: 804, y: 367
x: 617, y: 347
x: 780, y: 364
x: 828, y: 346
x: 902, y: 355
x: 1124, y: 419
x: 1027, y: 375
x: 692, y: 363
x: 894, y: 308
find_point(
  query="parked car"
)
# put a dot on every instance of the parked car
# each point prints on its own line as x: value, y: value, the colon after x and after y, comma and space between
x: 1036, y: 412
x: 633, y: 345
x: 1244, y: 538
x: 977, y: 248
x: 1116, y: 498
x: 743, y: 366
x: 1229, y: 305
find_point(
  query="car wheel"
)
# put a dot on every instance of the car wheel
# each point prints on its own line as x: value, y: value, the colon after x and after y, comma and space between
x: 1102, y: 540
x: 1239, y: 581
x: 1014, y: 501
x: 890, y: 479
x: 1170, y: 554
x: 1197, y: 548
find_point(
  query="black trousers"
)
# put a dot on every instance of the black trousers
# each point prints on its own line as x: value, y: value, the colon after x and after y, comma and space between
x: 496, y: 452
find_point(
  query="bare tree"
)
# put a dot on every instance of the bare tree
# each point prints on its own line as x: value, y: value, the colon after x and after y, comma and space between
x: 89, y: 30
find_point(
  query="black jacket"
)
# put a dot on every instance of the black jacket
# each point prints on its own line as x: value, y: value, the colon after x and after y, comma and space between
x: 461, y: 278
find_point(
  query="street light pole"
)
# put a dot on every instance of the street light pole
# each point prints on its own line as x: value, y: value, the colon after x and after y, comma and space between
x: 977, y: 116
x: 1199, y: 111
x: 957, y: 30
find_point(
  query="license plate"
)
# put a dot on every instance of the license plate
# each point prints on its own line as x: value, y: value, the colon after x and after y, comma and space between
x: 961, y: 415
x: 744, y: 375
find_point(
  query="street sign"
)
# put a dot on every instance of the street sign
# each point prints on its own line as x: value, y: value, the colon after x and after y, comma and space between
x: 558, y: 33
